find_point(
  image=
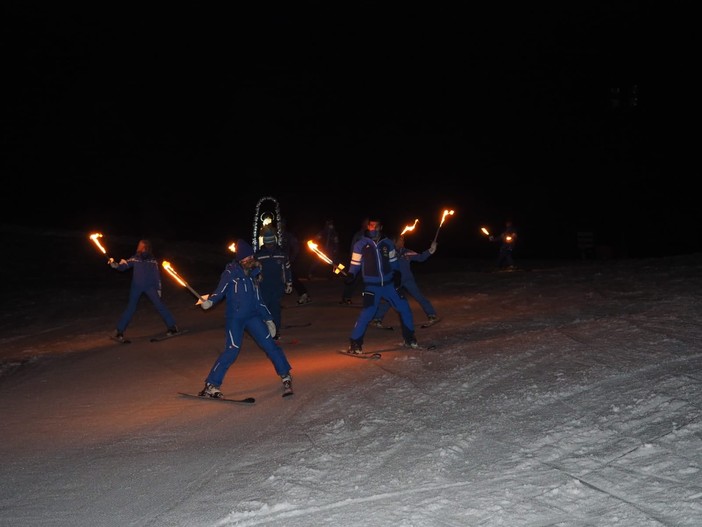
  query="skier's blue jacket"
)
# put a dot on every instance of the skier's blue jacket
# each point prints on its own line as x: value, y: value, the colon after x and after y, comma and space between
x: 241, y: 292
x: 377, y: 262
x: 146, y: 273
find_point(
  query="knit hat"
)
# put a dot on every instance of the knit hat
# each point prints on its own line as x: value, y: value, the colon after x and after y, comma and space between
x: 243, y: 250
x: 269, y: 237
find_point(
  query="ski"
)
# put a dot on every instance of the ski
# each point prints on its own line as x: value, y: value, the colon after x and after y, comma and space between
x: 121, y: 341
x: 298, y: 304
x: 389, y: 328
x: 402, y: 347
x: 430, y: 324
x: 159, y: 338
x: 372, y: 355
x: 288, y: 393
x: 290, y: 326
x: 246, y: 400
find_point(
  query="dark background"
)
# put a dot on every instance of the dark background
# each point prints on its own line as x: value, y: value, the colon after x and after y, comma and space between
x: 172, y: 123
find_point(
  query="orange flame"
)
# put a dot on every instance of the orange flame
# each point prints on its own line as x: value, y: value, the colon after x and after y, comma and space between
x: 410, y: 227
x: 339, y: 268
x: 446, y: 213
x: 171, y: 271
x: 315, y: 249
x: 94, y: 237
x: 232, y: 247
x: 167, y: 266
x: 485, y: 231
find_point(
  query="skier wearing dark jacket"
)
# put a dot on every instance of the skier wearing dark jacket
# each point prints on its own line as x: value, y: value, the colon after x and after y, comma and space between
x: 374, y: 258
x: 405, y: 257
x: 245, y: 310
x: 276, y: 277
x: 146, y: 280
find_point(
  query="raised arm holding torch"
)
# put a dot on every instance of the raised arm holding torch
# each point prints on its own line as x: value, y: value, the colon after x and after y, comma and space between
x: 167, y: 266
x: 446, y: 213
x: 338, y: 268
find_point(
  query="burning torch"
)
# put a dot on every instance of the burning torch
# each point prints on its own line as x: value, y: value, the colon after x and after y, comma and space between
x: 487, y: 233
x: 95, y: 238
x: 409, y: 227
x: 443, y: 218
x: 338, y: 268
x: 167, y: 266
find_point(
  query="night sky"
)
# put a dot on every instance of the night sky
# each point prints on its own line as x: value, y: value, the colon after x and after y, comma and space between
x: 565, y: 116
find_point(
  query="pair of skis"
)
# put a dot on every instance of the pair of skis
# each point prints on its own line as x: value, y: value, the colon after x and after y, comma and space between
x: 378, y: 354
x: 157, y: 338
x: 427, y: 324
x: 245, y: 400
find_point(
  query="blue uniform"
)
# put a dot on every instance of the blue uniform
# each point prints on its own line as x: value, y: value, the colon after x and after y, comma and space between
x: 245, y: 310
x: 377, y: 263
x: 275, y: 269
x: 405, y: 257
x: 146, y: 280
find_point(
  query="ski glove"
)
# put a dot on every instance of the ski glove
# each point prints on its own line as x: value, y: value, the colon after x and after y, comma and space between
x: 113, y: 264
x: 432, y: 249
x: 204, y: 302
x: 350, y: 278
x: 271, y: 327
x: 288, y: 288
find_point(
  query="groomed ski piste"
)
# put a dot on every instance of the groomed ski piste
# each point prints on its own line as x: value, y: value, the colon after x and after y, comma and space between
x: 563, y: 396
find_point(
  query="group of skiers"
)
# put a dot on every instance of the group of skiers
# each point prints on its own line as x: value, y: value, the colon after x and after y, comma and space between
x: 253, y: 283
x: 248, y: 297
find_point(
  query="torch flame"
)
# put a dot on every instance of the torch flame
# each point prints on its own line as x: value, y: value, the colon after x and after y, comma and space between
x: 167, y: 266
x: 446, y: 213
x: 410, y: 227
x: 319, y: 253
x: 94, y: 237
x: 338, y: 268
x: 485, y: 231
x: 232, y: 247
x: 171, y: 271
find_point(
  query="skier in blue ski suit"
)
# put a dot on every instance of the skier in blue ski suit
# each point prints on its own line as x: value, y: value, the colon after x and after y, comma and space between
x: 245, y: 310
x: 146, y: 280
x: 276, y: 277
x: 375, y: 258
x: 409, y: 285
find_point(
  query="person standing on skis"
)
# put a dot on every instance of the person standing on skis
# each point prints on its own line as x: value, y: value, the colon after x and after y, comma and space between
x: 146, y: 280
x: 374, y: 257
x: 409, y: 285
x: 245, y: 311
